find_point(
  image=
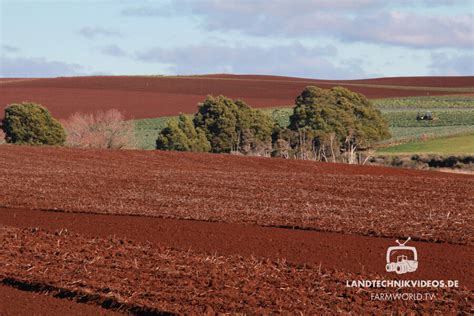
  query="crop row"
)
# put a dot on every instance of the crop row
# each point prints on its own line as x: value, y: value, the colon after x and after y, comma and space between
x: 431, y: 102
x: 404, y: 134
x: 451, y: 117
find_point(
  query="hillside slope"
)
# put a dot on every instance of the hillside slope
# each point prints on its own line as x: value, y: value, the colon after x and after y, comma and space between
x: 148, y: 96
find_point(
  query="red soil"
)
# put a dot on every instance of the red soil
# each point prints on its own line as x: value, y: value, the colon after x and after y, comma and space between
x: 146, y: 97
x: 146, y: 263
x: 434, y: 81
x: 272, y: 192
x: 143, y: 275
x: 341, y: 252
x: 18, y: 302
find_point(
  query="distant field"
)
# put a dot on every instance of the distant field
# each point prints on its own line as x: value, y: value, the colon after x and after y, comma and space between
x: 453, y: 115
x: 405, y: 134
x: 147, y: 130
x: 446, y: 117
x: 142, y: 97
x: 463, y: 144
x: 422, y: 103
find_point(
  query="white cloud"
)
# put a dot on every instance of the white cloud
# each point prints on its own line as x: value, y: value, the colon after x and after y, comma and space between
x: 370, y: 21
x: 113, y: 50
x: 408, y: 29
x: 36, y: 67
x: 10, y: 49
x: 443, y: 64
x: 292, y: 60
x: 92, y: 32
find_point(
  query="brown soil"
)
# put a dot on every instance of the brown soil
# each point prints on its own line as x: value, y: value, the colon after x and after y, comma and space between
x: 146, y: 263
x: 342, y: 252
x: 433, y: 81
x: 164, y: 279
x: 373, y: 201
x: 146, y: 97
x: 18, y: 302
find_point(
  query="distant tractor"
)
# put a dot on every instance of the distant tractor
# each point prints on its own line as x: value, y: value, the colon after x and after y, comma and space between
x: 424, y: 117
x: 403, y: 264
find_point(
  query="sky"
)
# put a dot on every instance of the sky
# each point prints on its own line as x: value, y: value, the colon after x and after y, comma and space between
x: 325, y: 39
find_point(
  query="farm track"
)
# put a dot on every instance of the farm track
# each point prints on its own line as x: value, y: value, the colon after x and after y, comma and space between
x: 373, y: 201
x: 148, y: 97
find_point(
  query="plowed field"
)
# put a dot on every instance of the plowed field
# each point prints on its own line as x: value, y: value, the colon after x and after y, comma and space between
x: 155, y: 232
x: 147, y: 97
x: 371, y: 201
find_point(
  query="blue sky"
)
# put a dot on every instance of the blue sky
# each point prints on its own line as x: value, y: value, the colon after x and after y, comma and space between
x: 327, y: 39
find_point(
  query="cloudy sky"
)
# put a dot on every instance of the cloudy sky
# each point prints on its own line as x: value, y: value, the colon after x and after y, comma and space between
x: 328, y: 39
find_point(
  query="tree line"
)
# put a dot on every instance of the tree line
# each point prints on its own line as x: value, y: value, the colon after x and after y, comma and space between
x: 326, y: 125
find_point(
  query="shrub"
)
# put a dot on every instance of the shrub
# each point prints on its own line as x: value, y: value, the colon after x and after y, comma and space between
x: 31, y: 124
x: 181, y: 135
x: 108, y: 130
x: 233, y: 126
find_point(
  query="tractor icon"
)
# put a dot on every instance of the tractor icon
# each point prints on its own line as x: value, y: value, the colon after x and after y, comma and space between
x: 403, y: 264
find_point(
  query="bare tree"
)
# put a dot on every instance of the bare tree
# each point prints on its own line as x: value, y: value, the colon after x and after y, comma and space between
x: 106, y: 129
x: 2, y: 136
x: 351, y: 144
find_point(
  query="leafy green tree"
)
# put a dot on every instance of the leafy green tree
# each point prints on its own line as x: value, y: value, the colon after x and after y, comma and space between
x: 31, y: 124
x: 254, y: 130
x: 181, y: 135
x: 233, y: 126
x: 327, y: 123
x: 217, y: 117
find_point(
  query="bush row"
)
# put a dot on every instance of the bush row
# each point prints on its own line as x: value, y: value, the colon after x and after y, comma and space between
x: 31, y: 124
x: 325, y: 124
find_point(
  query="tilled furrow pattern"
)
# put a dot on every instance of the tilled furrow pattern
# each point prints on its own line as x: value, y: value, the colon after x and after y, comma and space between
x: 166, y: 279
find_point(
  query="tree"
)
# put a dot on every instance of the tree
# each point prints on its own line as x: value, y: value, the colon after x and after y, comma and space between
x: 181, y: 135
x: 108, y: 130
x: 217, y: 117
x: 31, y: 124
x: 335, y: 122
x: 233, y: 126
x: 368, y: 125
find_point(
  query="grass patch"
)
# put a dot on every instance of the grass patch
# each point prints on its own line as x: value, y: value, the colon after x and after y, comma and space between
x: 462, y: 144
x: 147, y: 130
x: 448, y: 117
x: 407, y: 134
x: 422, y: 103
